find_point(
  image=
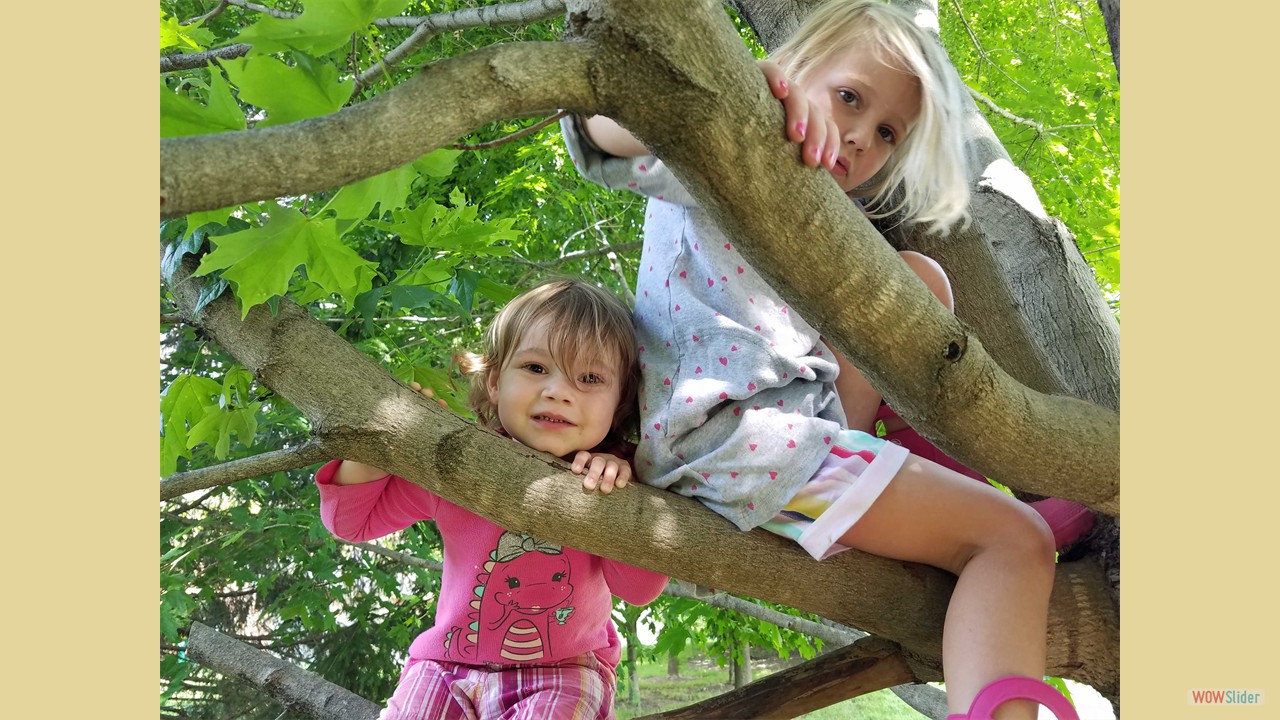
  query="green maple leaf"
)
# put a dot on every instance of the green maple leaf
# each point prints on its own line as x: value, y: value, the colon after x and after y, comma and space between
x: 259, y: 262
x: 180, y: 115
x: 184, y: 403
x: 186, y: 37
x: 324, y: 25
x: 289, y: 93
x: 387, y: 190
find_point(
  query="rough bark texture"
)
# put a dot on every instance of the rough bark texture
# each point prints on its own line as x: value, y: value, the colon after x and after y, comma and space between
x: 362, y: 413
x: 445, y: 101
x: 300, y: 691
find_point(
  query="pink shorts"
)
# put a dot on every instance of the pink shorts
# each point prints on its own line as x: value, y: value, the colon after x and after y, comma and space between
x: 578, y: 688
x: 849, y: 480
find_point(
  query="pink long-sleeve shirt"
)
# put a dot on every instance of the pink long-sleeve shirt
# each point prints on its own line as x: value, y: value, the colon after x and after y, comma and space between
x: 504, y: 597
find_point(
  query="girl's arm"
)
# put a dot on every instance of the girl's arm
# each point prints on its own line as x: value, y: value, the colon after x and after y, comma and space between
x: 611, y: 138
x: 371, y: 508
x: 636, y: 586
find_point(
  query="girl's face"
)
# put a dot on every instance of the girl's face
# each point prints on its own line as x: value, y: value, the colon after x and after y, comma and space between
x: 873, y: 105
x: 550, y: 408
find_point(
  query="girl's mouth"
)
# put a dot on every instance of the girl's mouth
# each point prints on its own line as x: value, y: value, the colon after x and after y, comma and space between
x: 841, y: 168
x: 551, y: 420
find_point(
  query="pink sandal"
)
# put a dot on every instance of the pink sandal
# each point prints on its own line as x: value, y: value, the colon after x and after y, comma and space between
x: 1016, y: 687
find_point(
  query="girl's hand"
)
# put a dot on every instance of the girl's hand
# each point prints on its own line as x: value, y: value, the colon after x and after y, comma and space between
x: 602, y: 469
x: 815, y: 130
x: 429, y: 394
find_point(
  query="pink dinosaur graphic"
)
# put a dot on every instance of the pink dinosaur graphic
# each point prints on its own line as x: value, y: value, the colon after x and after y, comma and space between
x: 523, y: 581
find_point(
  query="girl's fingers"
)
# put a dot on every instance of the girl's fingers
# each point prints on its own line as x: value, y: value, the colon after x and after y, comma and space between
x: 815, y: 143
x: 580, y: 461
x: 776, y: 78
x: 833, y: 144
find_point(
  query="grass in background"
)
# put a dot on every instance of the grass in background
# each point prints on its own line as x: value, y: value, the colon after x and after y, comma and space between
x: 700, y: 679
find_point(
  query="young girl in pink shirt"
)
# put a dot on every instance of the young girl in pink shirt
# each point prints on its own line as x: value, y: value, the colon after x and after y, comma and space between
x: 523, y: 626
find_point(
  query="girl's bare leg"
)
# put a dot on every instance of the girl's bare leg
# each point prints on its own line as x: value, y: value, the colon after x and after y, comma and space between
x: 1002, y: 552
x: 859, y: 399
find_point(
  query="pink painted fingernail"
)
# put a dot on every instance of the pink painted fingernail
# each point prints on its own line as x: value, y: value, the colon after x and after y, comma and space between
x: 800, y: 129
x: 782, y: 84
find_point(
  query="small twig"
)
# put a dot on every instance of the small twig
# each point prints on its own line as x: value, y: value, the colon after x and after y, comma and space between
x: 513, y: 136
x: 1101, y: 249
x: 191, y: 61
x: 264, y: 9
x: 982, y: 52
x: 1038, y: 127
x: 623, y: 247
x: 397, y: 556
x: 236, y: 470
x: 211, y: 14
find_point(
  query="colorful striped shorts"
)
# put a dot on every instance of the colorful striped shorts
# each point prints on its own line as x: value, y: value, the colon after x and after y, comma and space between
x: 849, y: 480
x: 579, y: 688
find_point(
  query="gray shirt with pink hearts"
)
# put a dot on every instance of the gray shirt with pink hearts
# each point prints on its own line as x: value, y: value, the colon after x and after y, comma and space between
x: 738, y: 406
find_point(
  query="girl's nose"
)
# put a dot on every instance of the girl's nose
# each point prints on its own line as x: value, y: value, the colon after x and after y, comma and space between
x: 856, y: 135
x: 557, y: 387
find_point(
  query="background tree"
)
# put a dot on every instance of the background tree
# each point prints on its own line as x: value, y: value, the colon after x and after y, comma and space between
x: 407, y: 265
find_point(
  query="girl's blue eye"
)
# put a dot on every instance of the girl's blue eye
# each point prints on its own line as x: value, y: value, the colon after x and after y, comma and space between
x: 848, y: 96
x: 886, y: 134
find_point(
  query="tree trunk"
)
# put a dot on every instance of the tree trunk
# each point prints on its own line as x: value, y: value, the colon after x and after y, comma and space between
x: 673, y: 665
x: 1111, y: 16
x: 632, y: 666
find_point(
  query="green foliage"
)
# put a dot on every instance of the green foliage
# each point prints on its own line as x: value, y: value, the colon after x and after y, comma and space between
x: 1048, y: 65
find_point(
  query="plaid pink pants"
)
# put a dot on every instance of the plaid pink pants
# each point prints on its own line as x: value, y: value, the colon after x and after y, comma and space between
x: 579, y: 688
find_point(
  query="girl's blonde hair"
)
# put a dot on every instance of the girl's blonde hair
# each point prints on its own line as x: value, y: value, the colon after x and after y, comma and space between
x: 929, y: 165
x: 584, y: 325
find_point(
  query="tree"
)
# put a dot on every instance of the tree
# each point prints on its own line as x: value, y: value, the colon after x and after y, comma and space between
x: 939, y: 375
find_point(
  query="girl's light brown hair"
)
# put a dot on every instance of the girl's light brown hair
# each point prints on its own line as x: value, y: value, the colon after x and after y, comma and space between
x: 584, y: 325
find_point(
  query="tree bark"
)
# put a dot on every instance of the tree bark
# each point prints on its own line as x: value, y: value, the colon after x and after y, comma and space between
x: 300, y: 691
x: 362, y: 413
x: 1111, y: 16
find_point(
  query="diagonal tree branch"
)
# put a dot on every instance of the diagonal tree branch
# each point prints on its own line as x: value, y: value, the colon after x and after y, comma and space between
x: 222, y: 5
x: 301, y: 691
x: 424, y: 28
x: 236, y: 470
x: 443, y: 102
x: 361, y: 412
x: 190, y: 61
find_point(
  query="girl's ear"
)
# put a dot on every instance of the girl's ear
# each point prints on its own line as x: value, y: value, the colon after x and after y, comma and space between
x: 491, y: 383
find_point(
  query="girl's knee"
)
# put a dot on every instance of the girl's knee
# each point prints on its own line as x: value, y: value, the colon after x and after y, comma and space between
x: 934, y: 277
x: 1030, y: 536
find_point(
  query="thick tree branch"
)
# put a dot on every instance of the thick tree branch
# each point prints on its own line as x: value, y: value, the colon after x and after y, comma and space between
x: 250, y: 467
x: 189, y: 61
x: 446, y: 100
x: 362, y: 413
x: 301, y: 691
x: 927, y: 364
